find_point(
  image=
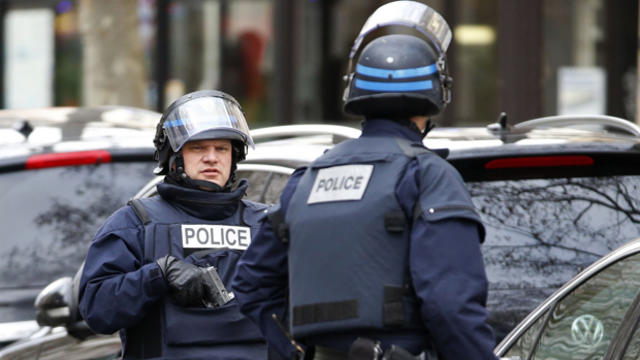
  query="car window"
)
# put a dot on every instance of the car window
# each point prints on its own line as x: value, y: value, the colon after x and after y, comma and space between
x: 632, y: 352
x: 528, y: 339
x: 49, y: 217
x: 541, y: 232
x: 264, y: 186
x: 583, y: 323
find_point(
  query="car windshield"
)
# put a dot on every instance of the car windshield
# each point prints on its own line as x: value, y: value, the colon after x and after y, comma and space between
x: 48, y: 218
x: 542, y: 232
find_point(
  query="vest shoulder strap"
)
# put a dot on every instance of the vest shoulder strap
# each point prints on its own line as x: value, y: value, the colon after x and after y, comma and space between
x: 140, y: 211
x: 414, y: 149
x: 411, y: 149
x: 280, y: 227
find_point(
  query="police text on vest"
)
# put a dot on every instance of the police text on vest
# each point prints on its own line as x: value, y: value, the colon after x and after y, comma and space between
x: 216, y: 236
x: 340, y: 183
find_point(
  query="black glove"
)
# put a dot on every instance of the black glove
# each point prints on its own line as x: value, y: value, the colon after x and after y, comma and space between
x: 185, y: 280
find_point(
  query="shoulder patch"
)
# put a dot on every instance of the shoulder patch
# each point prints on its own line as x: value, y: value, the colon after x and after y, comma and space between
x: 340, y: 183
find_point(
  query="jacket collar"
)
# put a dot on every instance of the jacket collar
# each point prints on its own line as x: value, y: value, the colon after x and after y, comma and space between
x: 389, y: 128
x: 204, y: 204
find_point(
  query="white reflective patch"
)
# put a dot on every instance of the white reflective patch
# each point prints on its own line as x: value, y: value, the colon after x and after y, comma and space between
x: 340, y: 183
x: 216, y: 236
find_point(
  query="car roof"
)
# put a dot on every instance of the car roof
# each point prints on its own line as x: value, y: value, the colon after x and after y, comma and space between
x: 60, y: 136
x: 62, y: 129
x: 606, y: 142
x: 547, y: 131
x: 296, y: 145
x: 558, y: 146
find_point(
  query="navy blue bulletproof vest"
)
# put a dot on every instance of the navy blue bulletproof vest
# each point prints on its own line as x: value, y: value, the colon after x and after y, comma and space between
x: 349, y: 240
x: 170, y: 330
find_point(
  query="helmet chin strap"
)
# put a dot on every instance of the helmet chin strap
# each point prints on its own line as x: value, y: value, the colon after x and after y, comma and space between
x: 180, y: 177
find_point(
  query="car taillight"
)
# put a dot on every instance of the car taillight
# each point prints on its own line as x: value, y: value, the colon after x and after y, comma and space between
x: 539, y: 161
x: 67, y: 159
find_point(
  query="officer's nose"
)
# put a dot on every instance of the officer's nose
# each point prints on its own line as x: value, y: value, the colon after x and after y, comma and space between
x: 210, y: 155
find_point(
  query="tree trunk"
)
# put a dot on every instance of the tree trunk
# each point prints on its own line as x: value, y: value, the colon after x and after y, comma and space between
x: 113, y: 60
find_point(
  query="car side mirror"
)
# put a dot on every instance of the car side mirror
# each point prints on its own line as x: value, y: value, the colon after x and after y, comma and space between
x: 53, y: 303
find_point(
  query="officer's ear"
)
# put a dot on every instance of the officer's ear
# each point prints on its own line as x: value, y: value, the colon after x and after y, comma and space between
x: 172, y: 160
x: 420, y: 121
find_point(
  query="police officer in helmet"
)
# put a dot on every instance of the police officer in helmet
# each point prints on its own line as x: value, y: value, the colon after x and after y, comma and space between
x: 374, y: 249
x: 159, y: 269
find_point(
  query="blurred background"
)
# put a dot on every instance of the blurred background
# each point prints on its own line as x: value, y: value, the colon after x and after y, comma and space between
x: 284, y: 59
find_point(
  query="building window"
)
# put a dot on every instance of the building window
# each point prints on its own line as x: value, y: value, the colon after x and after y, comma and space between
x: 224, y: 45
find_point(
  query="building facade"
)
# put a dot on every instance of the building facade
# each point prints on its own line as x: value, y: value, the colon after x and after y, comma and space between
x: 284, y: 60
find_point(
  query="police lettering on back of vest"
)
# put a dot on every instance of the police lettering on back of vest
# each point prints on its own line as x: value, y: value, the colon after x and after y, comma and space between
x: 340, y: 183
x: 215, y: 236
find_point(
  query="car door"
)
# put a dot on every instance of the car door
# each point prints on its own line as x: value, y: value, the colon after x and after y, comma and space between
x: 591, y: 321
x: 265, y: 181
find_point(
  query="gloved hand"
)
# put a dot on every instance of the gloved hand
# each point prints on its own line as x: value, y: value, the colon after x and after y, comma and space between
x: 185, y: 280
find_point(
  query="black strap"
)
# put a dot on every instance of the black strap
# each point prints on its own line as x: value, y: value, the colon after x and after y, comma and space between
x: 280, y: 227
x: 140, y: 211
x: 143, y: 341
x: 242, y: 207
x: 393, y: 307
x: 417, y: 210
x: 395, y: 221
x: 411, y: 149
x: 321, y: 312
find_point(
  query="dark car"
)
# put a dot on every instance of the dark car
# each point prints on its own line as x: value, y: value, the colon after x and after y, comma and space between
x: 62, y: 333
x: 63, y: 171
x: 555, y: 195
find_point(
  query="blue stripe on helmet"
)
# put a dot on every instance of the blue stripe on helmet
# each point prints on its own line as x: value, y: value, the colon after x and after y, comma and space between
x: 396, y: 74
x: 181, y: 122
x: 173, y: 123
x: 396, y: 86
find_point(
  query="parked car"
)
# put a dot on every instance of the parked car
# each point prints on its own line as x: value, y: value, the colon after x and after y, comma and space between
x: 62, y: 172
x: 62, y: 333
x: 555, y: 195
x: 593, y: 316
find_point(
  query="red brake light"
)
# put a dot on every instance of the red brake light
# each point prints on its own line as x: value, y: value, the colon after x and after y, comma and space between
x: 539, y: 161
x: 67, y: 159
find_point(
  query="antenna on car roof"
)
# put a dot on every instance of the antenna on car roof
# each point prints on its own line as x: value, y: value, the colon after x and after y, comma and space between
x: 500, y: 128
x: 24, y: 128
x: 502, y: 120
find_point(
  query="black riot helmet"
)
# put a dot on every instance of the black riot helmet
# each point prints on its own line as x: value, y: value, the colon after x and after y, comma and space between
x: 398, y: 64
x: 201, y: 115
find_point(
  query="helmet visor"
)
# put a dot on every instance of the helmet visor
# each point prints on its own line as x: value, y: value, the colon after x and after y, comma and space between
x: 410, y: 15
x: 206, y: 118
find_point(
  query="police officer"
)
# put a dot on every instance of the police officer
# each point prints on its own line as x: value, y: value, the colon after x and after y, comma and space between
x: 148, y: 272
x: 375, y: 247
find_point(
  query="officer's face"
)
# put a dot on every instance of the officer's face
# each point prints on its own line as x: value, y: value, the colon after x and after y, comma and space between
x: 208, y: 160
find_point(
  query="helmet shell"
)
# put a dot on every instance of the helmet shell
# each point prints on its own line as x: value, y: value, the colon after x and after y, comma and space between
x: 201, y: 115
x: 397, y: 75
